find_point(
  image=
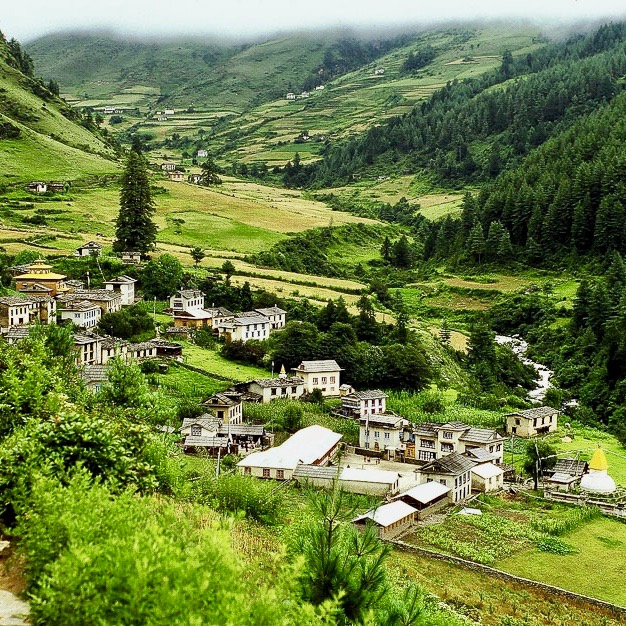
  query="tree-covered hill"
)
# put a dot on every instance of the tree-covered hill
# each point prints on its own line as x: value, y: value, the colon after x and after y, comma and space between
x: 42, y: 136
x: 473, y: 129
x: 187, y: 73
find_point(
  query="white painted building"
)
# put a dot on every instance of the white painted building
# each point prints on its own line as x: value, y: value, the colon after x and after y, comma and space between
x: 16, y: 311
x: 82, y: 313
x: 365, y: 481
x: 323, y: 375
x: 276, y: 316
x: 244, y: 328
x: 487, y: 477
x: 360, y: 403
x: 268, y: 389
x: 91, y: 248
x: 314, y: 445
x: 125, y: 286
x: 383, y: 432
x: 391, y: 519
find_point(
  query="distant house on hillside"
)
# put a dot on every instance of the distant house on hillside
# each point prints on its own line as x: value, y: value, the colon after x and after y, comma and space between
x: 360, y: 403
x: 532, y: 422
x: 37, y: 186
x: 168, y: 167
x: 194, y: 178
x: 379, y: 71
x: 176, y: 176
x: 130, y: 257
x: 269, y: 389
x: 168, y: 111
x: 291, y: 96
x: 202, y: 154
x: 91, y: 248
x: 125, y: 286
x: 390, y: 519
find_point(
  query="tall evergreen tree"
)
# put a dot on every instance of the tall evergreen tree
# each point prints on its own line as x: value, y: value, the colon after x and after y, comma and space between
x: 134, y: 228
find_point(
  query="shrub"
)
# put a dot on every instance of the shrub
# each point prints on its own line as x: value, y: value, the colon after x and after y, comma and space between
x: 554, y: 545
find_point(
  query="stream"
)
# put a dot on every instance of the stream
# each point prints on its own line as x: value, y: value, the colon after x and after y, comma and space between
x: 519, y: 347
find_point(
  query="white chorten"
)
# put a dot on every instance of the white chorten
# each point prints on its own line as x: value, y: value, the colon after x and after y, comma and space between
x: 598, y: 480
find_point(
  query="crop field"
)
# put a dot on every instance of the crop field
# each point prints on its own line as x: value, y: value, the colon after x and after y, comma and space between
x: 594, y: 568
x: 491, y: 601
x: 211, y: 362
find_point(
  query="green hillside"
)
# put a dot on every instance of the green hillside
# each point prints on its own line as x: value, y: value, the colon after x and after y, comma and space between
x: 40, y: 134
x: 231, y: 100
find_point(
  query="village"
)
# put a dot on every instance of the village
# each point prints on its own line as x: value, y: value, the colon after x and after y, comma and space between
x: 416, y: 469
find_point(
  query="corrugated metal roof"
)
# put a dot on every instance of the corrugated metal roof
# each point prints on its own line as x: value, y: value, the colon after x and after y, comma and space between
x: 426, y: 492
x: 487, y: 470
x: 388, y: 514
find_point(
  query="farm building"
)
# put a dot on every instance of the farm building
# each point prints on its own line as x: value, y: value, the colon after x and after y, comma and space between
x: 532, y: 422
x: 314, y: 445
x: 353, y: 479
x: 391, y: 519
x: 426, y: 498
x: 566, y: 473
x: 487, y: 477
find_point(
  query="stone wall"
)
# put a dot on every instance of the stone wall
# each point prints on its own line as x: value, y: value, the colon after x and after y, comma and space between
x: 618, y: 611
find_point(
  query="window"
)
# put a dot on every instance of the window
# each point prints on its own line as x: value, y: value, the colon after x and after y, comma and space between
x: 247, y: 471
x: 266, y: 472
x: 425, y: 443
x: 332, y: 380
x: 456, y: 483
x: 280, y: 474
x: 196, y: 430
x: 447, y: 447
x: 386, y: 435
x: 315, y: 381
x: 324, y: 380
x: 499, y: 447
x: 294, y: 390
x: 376, y: 434
x: 273, y: 392
x: 517, y: 422
x: 220, y: 415
x: 424, y: 455
x: 443, y: 482
x: 447, y: 435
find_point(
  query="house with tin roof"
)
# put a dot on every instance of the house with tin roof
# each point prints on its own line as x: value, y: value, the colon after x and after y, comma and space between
x: 426, y: 498
x: 227, y: 407
x: 244, y: 327
x: 276, y: 316
x: 313, y: 445
x: 532, y: 422
x: 391, y: 519
x: 323, y: 375
x: 17, y: 311
x: 366, y: 481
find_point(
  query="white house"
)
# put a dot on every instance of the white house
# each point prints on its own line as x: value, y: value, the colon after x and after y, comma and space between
x: 202, y: 154
x: 88, y: 349
x: 168, y: 112
x: 82, y: 313
x: 244, y: 327
x: 291, y: 96
x: 382, y: 432
x: 391, y: 519
x: 487, y: 477
x: 314, y: 445
x: 226, y: 407
x: 360, y: 403
x: 454, y: 471
x: 130, y: 257
x: 91, y: 248
x: 187, y: 300
x: 125, y: 286
x: 532, y: 422
x: 37, y: 186
x: 108, y: 301
x: 268, y: 389
x: 168, y: 167
x: 323, y: 375
x: 16, y: 311
x: 275, y: 315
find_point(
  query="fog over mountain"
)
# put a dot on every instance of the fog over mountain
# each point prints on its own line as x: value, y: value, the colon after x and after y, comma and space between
x: 248, y: 18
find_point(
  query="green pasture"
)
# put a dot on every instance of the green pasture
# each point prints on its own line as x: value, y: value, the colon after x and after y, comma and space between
x: 211, y: 362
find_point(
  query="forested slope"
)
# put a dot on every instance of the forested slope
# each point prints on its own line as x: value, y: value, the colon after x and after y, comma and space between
x: 472, y: 130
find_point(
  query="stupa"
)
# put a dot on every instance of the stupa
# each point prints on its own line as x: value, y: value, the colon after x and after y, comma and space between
x: 598, y: 479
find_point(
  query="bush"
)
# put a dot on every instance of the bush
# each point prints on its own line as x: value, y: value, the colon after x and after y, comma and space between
x: 151, y: 366
x: 92, y: 558
x: 554, y: 545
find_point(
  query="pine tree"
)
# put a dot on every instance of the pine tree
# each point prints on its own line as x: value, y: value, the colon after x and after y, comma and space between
x: 476, y: 242
x: 134, y: 227
x: 445, y: 333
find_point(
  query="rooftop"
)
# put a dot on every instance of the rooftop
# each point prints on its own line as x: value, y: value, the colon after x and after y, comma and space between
x: 370, y: 394
x: 425, y: 493
x: 384, y: 419
x: 328, y: 365
x: 207, y: 421
x: 571, y: 467
x: 387, y: 514
x: 487, y: 470
x: 15, y: 300
x: 123, y: 279
x: 94, y: 373
x: 78, y: 305
x: 274, y: 310
x: 278, y: 382
x: 542, y: 411
x: 306, y: 446
x: 454, y: 464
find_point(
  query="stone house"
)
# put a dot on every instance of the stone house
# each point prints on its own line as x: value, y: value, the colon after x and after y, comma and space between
x: 130, y: 257
x: 323, y: 375
x: 245, y: 326
x: 176, y: 176
x: 91, y: 248
x: 109, y: 301
x: 88, y: 349
x: 227, y: 407
x: 17, y: 311
x: 268, y: 389
x: 532, y: 422
x: 454, y: 471
x: 360, y: 403
x: 82, y: 313
x: 275, y: 315
x: 430, y: 441
x: 168, y: 167
x: 125, y: 286
x: 487, y: 477
x: 382, y: 432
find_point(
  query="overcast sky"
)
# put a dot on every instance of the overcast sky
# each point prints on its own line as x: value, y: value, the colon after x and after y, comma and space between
x: 26, y: 20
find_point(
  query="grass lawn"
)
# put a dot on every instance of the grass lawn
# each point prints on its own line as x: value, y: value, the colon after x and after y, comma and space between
x: 183, y: 382
x: 595, y: 569
x: 211, y: 362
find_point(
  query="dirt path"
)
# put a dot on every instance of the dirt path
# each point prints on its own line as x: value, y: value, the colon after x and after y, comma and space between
x: 13, y: 611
